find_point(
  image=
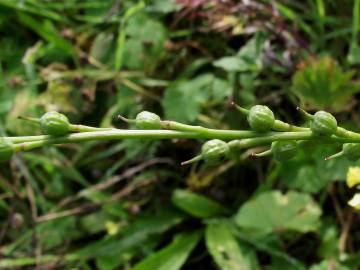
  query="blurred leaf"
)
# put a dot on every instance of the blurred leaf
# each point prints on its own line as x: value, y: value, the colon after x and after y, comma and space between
x: 322, y: 84
x: 145, y: 44
x: 46, y: 30
x: 273, y: 212
x: 353, y: 56
x: 309, y: 172
x: 183, y: 99
x: 120, y: 43
x: 173, y: 256
x: 101, y: 47
x: 329, y: 264
x: 133, y: 236
x: 227, y: 252
x: 247, y: 59
x: 329, y: 241
x: 164, y: 6
x: 196, y: 205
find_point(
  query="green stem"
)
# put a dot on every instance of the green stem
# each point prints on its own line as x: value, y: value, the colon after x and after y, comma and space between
x: 72, y: 127
x: 282, y: 126
x: 243, y: 138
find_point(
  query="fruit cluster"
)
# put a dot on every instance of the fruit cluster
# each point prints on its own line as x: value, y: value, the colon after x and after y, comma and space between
x: 284, y: 139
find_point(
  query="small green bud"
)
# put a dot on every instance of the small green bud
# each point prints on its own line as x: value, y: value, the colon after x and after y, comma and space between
x: 323, y: 123
x: 214, y: 151
x: 6, y: 149
x: 54, y: 123
x: 284, y: 150
x: 261, y: 118
x: 351, y: 151
x: 148, y: 120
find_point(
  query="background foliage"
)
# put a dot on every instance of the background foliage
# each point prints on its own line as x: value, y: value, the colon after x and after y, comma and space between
x: 130, y: 205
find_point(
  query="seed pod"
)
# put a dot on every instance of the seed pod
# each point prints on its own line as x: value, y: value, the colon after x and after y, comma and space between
x: 351, y: 151
x: 54, y: 123
x: 148, y: 120
x: 6, y: 149
x: 323, y: 123
x: 261, y: 118
x: 284, y: 150
x: 214, y: 151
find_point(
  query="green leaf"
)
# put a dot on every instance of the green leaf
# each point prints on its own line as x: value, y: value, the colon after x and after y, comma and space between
x: 183, y: 99
x: 173, y: 256
x: 144, y: 44
x: 120, y: 42
x: 196, y: 205
x: 329, y: 264
x: 225, y: 249
x: 309, y: 172
x: 323, y: 84
x: 247, y: 59
x: 46, y: 30
x: 273, y: 211
x: 134, y: 236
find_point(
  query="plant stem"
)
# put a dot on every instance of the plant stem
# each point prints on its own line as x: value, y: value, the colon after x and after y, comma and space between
x: 242, y: 138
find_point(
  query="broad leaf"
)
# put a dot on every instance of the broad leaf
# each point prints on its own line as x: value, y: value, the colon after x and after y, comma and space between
x: 183, y: 99
x: 225, y: 249
x: 273, y: 211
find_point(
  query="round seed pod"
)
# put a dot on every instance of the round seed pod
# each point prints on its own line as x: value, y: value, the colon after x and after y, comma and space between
x: 6, y: 149
x: 214, y: 151
x: 54, y: 124
x: 284, y: 150
x: 351, y: 151
x: 323, y: 123
x: 261, y: 118
x: 148, y: 120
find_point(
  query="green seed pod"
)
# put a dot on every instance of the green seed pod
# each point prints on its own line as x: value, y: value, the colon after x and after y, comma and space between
x: 214, y: 151
x: 261, y: 118
x: 323, y: 123
x: 148, y: 120
x: 284, y: 150
x: 6, y: 149
x: 54, y: 123
x: 351, y: 151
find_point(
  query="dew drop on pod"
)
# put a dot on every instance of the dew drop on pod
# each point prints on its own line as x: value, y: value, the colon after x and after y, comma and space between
x: 6, y: 149
x: 323, y: 123
x: 214, y: 151
x: 54, y: 124
x: 261, y: 118
x: 284, y: 150
x: 148, y: 120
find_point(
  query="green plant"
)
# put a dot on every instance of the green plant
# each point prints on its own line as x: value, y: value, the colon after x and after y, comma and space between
x: 284, y: 142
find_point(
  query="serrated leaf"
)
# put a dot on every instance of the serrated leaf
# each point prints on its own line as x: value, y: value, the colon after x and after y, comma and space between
x: 196, y: 205
x: 323, y: 84
x: 225, y: 249
x: 173, y: 256
x: 273, y: 211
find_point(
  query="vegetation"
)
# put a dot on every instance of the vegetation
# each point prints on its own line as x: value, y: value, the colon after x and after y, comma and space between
x: 179, y: 183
